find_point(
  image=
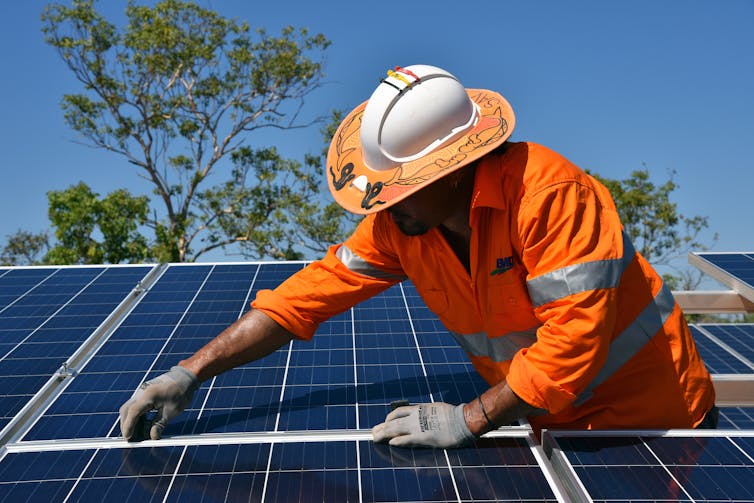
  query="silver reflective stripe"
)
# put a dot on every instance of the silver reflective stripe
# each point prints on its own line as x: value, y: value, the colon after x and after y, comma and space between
x: 580, y: 277
x: 499, y: 349
x: 358, y: 265
x: 632, y: 339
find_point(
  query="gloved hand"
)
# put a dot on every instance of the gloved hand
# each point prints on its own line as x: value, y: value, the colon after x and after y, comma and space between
x: 425, y: 425
x: 169, y: 393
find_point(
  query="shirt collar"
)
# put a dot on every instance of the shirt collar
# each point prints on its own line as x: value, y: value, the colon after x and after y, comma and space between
x: 487, y: 184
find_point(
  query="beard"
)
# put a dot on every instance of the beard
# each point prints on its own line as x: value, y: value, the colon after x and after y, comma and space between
x: 409, y: 226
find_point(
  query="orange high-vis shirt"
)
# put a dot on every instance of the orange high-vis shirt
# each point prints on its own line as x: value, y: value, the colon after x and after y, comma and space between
x: 558, y: 303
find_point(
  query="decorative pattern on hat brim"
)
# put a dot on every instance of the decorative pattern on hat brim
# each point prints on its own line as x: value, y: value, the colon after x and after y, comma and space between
x: 359, y: 189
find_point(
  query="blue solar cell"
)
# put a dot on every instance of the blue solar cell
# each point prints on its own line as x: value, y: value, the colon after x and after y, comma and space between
x: 140, y: 489
x: 458, y: 386
x: 668, y: 468
x: 252, y: 376
x: 493, y: 470
x: 11, y: 337
x: 55, y: 490
x: 25, y: 385
x: 126, y: 332
x: 225, y: 473
x: 318, y: 396
x: 133, y: 474
x: 109, y: 365
x: 736, y: 418
x: 739, y: 337
x: 57, y: 335
x: 133, y: 347
x: 601, y: 451
x: 244, y: 397
x: 697, y: 451
x: 322, y: 375
x: 13, y: 368
x: 718, y: 359
x: 46, y: 349
x: 167, y: 318
x: 747, y: 444
x: 35, y: 466
x: 19, y: 310
x: 320, y: 357
x: 245, y: 419
x: 738, y: 265
x: 107, y: 381
x: 53, y: 426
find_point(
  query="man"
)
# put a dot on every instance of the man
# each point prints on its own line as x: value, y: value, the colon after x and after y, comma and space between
x: 519, y: 253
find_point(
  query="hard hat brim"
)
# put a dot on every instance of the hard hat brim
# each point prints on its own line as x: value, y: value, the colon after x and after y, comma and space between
x: 360, y: 189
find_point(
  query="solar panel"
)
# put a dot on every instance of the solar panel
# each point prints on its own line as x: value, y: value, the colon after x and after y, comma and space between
x: 184, y: 309
x: 502, y: 469
x: 291, y: 426
x: 735, y: 270
x: 335, y: 381
x: 45, y: 316
x: 675, y: 466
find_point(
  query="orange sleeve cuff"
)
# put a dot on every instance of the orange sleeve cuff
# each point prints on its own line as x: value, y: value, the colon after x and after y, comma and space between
x: 316, y: 293
x: 535, y: 387
x: 276, y: 307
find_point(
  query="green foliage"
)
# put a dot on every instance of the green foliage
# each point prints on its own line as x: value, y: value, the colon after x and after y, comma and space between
x: 177, y: 92
x: 651, y: 219
x: 24, y: 248
x: 78, y: 215
x: 656, y: 228
x: 119, y: 216
x: 659, y: 232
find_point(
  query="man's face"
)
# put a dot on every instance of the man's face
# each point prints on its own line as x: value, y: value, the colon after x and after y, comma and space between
x: 426, y: 209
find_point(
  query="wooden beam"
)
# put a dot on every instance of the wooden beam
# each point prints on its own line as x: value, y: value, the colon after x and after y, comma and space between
x: 710, y: 302
x: 734, y: 390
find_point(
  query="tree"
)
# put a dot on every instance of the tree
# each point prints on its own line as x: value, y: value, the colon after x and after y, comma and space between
x: 656, y: 228
x: 177, y: 93
x: 24, y: 248
x: 89, y: 230
x: 78, y: 215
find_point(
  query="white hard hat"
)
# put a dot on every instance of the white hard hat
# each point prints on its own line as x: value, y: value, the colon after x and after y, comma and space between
x: 419, y: 125
x: 414, y: 111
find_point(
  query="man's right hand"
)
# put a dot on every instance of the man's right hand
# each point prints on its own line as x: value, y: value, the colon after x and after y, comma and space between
x: 169, y: 393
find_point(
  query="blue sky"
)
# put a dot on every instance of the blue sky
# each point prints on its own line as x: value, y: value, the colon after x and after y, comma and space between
x: 611, y: 85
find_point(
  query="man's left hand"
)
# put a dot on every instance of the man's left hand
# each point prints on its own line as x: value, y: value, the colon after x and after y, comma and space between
x: 425, y: 425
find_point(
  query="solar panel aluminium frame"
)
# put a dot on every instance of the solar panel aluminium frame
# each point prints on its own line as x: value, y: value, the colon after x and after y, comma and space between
x: 574, y: 486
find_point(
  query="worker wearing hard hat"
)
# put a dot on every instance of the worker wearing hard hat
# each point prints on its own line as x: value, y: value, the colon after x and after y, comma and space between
x: 518, y: 252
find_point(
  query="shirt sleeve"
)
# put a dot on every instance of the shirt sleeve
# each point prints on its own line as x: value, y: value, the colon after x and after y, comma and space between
x: 349, y: 273
x: 572, y: 249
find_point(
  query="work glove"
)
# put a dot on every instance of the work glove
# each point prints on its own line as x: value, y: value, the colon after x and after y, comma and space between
x: 425, y: 425
x: 169, y: 393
